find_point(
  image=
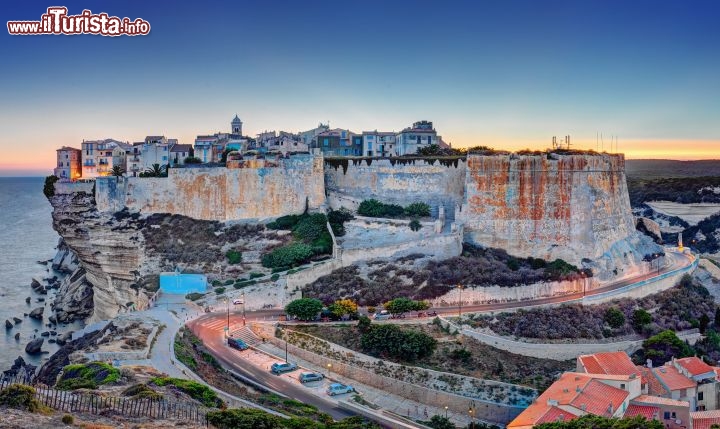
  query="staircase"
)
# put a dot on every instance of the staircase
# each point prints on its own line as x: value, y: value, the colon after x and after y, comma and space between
x: 247, y: 335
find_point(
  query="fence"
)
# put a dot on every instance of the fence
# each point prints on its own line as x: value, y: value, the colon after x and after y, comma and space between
x: 70, y: 401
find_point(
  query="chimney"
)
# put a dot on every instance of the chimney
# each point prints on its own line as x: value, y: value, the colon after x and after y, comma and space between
x: 552, y: 402
x: 577, y: 388
x: 610, y: 409
x: 583, y: 407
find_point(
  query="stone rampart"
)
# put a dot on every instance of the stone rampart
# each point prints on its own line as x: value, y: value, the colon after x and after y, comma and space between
x: 549, y: 205
x: 72, y: 187
x: 257, y: 191
x: 399, y: 181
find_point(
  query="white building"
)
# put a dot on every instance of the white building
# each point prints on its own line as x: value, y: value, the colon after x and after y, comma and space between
x: 97, y: 157
x: 155, y: 150
x: 307, y: 137
x: 421, y: 134
x: 379, y: 143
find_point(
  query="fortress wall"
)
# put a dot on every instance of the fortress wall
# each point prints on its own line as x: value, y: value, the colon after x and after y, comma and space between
x: 72, y: 187
x: 550, y: 206
x: 216, y: 193
x: 406, y: 182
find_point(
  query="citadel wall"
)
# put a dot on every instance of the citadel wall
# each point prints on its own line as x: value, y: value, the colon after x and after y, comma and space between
x: 550, y: 205
x: 248, y: 191
x: 403, y: 181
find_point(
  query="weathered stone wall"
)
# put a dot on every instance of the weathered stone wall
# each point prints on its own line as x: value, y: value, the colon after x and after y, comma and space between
x: 550, y: 206
x: 70, y: 187
x: 214, y: 193
x: 405, y: 182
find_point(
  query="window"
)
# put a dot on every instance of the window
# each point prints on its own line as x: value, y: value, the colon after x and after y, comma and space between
x: 343, y: 134
x: 326, y: 142
x: 666, y: 415
x: 369, y: 145
x: 673, y: 415
x: 700, y: 396
x: 622, y: 386
x: 164, y: 158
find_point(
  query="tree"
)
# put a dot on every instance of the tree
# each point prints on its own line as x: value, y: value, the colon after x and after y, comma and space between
x: 156, y: 170
x: 417, y: 210
x: 663, y: 347
x: 717, y: 317
x: 364, y: 324
x: 192, y: 160
x: 415, y: 225
x: 342, y: 307
x: 614, y: 317
x: 117, y: 171
x: 704, y: 322
x: 440, y: 422
x: 244, y: 418
x: 399, y: 305
x: 391, y: 341
x: 49, y: 188
x: 304, y: 308
x: 640, y: 319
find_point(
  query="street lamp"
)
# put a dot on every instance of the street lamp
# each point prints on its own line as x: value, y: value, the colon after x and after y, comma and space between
x: 446, y: 408
x: 243, y: 308
x: 460, y: 306
x: 284, y: 331
x: 227, y: 327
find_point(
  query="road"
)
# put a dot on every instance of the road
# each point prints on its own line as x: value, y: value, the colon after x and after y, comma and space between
x: 211, y: 332
x: 210, y: 327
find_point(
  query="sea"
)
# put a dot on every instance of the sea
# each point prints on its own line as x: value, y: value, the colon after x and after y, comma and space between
x: 27, y: 242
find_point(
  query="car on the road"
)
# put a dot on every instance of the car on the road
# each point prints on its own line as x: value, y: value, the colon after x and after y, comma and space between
x: 280, y: 367
x: 307, y: 377
x: 237, y: 343
x: 238, y: 302
x: 382, y: 315
x: 339, y: 389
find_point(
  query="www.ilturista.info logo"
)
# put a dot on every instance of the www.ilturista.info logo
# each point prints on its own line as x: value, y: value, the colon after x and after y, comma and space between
x: 57, y: 21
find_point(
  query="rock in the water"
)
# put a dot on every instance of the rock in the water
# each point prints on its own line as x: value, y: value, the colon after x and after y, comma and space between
x: 17, y: 320
x: 8, y: 325
x: 53, y: 333
x: 37, y: 313
x: 27, y: 300
x: 34, y: 347
x: 52, y: 319
x: 17, y: 335
x: 51, y: 341
x: 20, y: 368
x: 35, y: 284
x: 45, y: 334
x: 40, y: 299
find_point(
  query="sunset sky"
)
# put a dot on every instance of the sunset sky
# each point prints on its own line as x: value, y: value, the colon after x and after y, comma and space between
x: 507, y: 74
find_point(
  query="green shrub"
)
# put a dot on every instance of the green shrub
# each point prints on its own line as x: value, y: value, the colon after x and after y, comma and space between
x: 310, y: 227
x: 614, y: 317
x: 640, y: 319
x: 195, y: 390
x: 418, y: 210
x: 194, y: 296
x: 275, y: 277
x: 20, y: 397
x: 244, y: 418
x: 228, y: 282
x: 279, y: 269
x: 337, y: 219
x: 67, y: 419
x: 141, y: 391
x: 415, y: 225
x: 90, y: 376
x: 216, y: 282
x: 374, y: 208
x: 392, y: 341
x: 256, y: 275
x: 219, y: 290
x: 284, y: 222
x: 49, y: 188
x: 233, y: 256
x: 293, y: 254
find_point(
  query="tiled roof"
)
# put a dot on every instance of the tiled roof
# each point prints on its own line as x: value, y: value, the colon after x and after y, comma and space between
x: 704, y: 419
x: 694, y: 365
x: 574, y: 389
x: 672, y: 379
x: 650, y: 399
x: 646, y: 411
x: 617, y: 363
x: 654, y: 386
x: 555, y: 414
x: 598, y: 397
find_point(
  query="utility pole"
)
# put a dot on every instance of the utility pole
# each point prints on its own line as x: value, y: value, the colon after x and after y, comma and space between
x: 460, y: 303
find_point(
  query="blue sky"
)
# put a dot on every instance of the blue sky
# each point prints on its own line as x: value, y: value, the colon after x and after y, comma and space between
x: 508, y: 74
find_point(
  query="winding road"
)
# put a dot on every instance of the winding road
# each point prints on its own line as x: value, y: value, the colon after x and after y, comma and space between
x: 210, y: 328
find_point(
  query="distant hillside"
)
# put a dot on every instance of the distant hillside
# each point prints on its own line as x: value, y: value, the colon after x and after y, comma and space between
x: 658, y: 168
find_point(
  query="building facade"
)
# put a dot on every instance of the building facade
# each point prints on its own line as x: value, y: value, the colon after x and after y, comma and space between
x: 338, y: 142
x: 69, y: 162
x: 421, y: 134
x: 379, y: 143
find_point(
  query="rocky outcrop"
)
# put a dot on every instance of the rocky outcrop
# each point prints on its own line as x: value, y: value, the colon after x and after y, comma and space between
x: 34, y: 347
x: 20, y: 369
x: 650, y: 228
x: 108, y: 253
x: 37, y: 313
x: 65, y: 259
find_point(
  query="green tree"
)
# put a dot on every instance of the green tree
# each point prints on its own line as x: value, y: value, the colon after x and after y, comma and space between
x: 440, y: 422
x: 342, y: 307
x: 304, y: 308
x: 244, y: 418
x: 399, y: 305
x: 415, y: 225
x: 49, y: 188
x: 704, y: 322
x: 388, y: 340
x: 117, y: 171
x: 364, y: 324
x: 664, y: 346
x: 640, y: 319
x: 418, y: 210
x: 192, y: 160
x: 614, y: 317
x: 717, y: 317
x: 233, y: 256
x: 156, y: 170
x: 287, y: 256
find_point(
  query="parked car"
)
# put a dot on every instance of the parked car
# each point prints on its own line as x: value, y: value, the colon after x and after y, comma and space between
x: 280, y: 367
x: 307, y: 377
x: 339, y: 389
x: 237, y: 343
x: 238, y: 302
x: 382, y: 315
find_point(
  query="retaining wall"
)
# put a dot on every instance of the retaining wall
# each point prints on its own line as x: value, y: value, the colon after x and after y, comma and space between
x: 71, y: 187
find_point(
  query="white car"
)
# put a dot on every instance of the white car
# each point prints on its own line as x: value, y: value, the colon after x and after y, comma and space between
x: 339, y: 389
x: 238, y: 302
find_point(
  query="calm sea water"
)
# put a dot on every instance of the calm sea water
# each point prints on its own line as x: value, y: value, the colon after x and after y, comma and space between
x: 26, y: 237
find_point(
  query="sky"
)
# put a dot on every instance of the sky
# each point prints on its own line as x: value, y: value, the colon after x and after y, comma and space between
x: 508, y: 74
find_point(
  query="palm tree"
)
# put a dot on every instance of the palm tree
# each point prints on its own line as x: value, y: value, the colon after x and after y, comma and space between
x: 117, y: 171
x: 156, y: 170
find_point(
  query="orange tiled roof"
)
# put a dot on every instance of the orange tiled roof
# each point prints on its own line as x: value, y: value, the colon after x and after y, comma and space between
x: 617, y: 363
x: 704, y: 419
x: 573, y: 389
x: 646, y: 411
x: 555, y: 414
x: 654, y: 386
x: 694, y: 365
x: 650, y: 399
x: 672, y: 379
x: 598, y: 397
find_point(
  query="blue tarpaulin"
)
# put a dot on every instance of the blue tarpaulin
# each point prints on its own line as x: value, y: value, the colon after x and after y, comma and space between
x: 183, y: 283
